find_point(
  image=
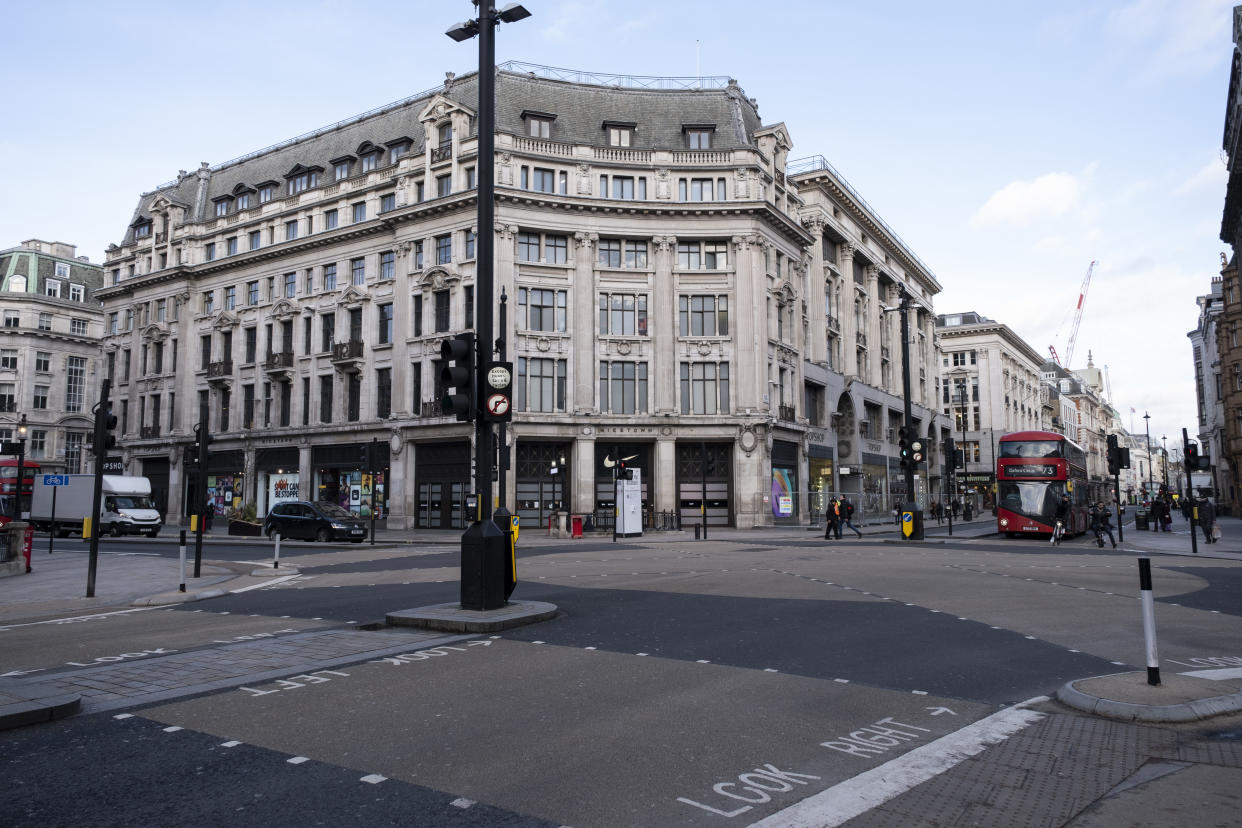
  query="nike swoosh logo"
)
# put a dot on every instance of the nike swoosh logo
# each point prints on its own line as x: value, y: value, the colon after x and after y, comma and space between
x: 609, y: 462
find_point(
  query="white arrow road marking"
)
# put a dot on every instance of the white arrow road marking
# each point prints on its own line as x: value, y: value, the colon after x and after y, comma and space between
x: 937, y: 711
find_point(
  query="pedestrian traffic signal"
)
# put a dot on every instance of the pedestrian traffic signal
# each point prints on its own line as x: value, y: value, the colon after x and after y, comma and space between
x: 457, y: 377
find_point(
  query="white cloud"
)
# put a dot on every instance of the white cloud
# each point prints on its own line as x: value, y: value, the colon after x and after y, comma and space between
x: 1174, y: 37
x: 1211, y: 178
x: 1022, y: 202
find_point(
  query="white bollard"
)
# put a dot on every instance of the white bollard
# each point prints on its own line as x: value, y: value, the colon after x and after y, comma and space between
x: 1149, y: 622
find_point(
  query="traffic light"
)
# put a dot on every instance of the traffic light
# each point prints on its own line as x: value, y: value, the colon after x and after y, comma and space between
x: 950, y: 455
x: 202, y: 440
x: 903, y: 446
x: 191, y: 455
x: 624, y: 473
x: 364, y: 456
x: 1192, y: 456
x: 104, y: 440
x: 457, y: 377
x: 1114, y: 455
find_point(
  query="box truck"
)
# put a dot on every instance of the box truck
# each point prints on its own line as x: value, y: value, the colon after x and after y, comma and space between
x: 125, y: 506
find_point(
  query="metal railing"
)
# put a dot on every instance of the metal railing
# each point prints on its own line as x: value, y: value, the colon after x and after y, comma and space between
x: 812, y: 163
x: 607, y: 79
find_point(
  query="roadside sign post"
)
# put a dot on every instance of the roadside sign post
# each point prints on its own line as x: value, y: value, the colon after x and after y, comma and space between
x: 55, y: 481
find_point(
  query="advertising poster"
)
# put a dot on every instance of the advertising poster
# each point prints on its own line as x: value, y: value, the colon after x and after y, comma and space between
x: 782, y: 493
x: 280, y: 488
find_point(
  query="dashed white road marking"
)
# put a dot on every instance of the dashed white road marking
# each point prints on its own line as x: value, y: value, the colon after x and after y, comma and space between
x: 230, y: 744
x: 123, y: 716
x: 297, y: 760
x: 462, y: 802
x: 172, y: 729
x: 373, y: 779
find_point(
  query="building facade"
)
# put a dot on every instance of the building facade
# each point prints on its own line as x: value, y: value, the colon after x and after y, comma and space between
x: 49, y: 351
x: 665, y: 279
x: 991, y: 387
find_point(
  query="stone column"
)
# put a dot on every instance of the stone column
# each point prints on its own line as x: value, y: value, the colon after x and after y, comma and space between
x: 874, y: 374
x: 749, y: 379
x: 665, y: 473
x: 400, y: 485
x: 582, y: 328
x: 849, y: 323
x: 817, y: 348
x: 582, y: 500
x: 663, y: 324
x: 306, y: 474
x: 893, y: 321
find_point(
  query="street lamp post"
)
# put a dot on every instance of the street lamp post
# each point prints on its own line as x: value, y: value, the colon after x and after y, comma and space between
x: 912, y: 504
x: 483, y: 544
x: 1147, y: 426
x: 21, y: 468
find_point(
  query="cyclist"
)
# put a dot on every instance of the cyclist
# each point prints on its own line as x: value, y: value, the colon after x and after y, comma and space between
x: 1062, y: 517
x: 1101, y: 525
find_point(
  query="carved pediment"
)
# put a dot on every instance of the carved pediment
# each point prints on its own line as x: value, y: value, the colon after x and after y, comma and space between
x: 440, y: 107
x: 285, y: 310
x: 224, y: 320
x: 352, y: 298
x: 154, y: 333
x: 436, y: 278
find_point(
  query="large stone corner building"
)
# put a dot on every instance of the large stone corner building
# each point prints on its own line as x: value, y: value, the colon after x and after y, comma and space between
x: 678, y: 293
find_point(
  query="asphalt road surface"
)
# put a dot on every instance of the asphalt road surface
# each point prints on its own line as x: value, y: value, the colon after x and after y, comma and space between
x: 711, y: 683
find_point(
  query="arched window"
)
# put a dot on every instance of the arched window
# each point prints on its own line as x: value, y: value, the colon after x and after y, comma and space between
x: 17, y: 283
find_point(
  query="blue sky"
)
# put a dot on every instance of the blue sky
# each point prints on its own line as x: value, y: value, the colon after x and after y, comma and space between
x: 1009, y: 144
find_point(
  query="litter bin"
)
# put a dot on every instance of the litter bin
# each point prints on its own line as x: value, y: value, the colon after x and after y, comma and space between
x: 1140, y: 520
x: 576, y: 526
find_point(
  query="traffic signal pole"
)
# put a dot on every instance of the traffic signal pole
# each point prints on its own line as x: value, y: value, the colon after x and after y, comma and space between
x: 911, y: 505
x: 99, y: 445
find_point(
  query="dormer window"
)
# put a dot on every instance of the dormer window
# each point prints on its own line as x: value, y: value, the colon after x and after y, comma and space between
x: 142, y: 231
x: 398, y: 148
x: 699, y: 136
x: 342, y: 167
x: 243, y: 201
x: 370, y: 161
x: 302, y: 181
x: 445, y: 135
x: 538, y: 124
x: 620, y: 134
x: 222, y: 207
x: 266, y: 191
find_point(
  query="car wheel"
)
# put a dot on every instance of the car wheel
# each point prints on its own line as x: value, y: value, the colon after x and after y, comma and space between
x: 272, y: 532
x: 323, y: 536
x: 116, y: 530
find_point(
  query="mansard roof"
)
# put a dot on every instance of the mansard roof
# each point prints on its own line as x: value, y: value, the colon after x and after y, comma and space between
x: 660, y: 115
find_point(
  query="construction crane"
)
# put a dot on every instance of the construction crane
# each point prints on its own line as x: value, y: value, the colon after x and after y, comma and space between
x: 1073, y: 337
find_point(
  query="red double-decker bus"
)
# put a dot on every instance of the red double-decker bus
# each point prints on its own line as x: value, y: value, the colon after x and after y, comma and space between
x: 1033, y: 470
x: 8, y: 486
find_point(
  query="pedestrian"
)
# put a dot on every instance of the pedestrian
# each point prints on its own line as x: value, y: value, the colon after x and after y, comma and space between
x: 838, y: 515
x: 830, y: 520
x: 1187, y: 510
x: 1207, y: 519
x: 968, y: 512
x: 1101, y: 525
x: 957, y: 506
x: 847, y: 515
x: 208, y: 512
x: 1157, y: 514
